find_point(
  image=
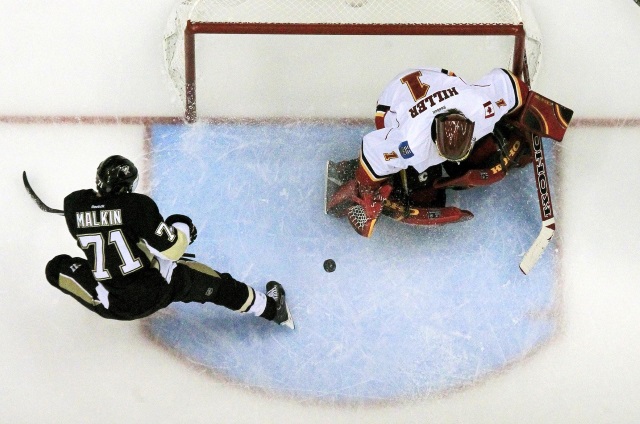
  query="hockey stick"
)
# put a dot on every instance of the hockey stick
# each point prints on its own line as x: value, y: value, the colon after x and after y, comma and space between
x: 185, y: 256
x: 546, y: 208
x: 35, y: 197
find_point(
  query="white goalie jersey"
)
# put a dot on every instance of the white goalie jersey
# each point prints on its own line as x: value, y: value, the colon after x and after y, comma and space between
x: 409, y: 104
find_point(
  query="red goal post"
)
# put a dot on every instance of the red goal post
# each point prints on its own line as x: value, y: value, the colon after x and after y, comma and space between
x: 421, y: 18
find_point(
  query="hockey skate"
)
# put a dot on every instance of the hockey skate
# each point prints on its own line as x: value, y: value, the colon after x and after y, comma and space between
x: 283, y: 316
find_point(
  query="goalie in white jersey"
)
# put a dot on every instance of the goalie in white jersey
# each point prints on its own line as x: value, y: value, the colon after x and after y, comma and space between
x: 431, y: 115
x: 427, y: 119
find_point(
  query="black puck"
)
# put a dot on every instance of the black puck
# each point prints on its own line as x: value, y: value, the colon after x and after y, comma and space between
x: 329, y: 265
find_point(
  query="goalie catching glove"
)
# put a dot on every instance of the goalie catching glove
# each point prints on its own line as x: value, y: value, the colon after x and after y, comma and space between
x: 186, y: 221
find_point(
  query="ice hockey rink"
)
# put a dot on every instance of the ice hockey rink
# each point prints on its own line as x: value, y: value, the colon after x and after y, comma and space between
x: 80, y: 81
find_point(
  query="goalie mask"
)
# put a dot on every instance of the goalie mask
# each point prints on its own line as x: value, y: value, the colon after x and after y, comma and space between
x: 116, y: 175
x: 452, y: 133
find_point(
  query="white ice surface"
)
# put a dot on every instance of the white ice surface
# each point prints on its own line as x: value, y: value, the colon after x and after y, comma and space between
x: 60, y: 364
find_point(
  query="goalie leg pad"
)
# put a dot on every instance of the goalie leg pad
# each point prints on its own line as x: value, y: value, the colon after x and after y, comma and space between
x: 473, y: 178
x: 369, y: 202
x: 343, y: 199
x: 346, y: 169
x: 437, y: 216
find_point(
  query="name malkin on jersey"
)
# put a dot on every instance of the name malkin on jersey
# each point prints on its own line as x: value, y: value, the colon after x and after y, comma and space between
x: 105, y: 218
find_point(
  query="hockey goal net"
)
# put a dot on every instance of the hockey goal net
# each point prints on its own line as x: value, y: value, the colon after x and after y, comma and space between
x: 332, y: 57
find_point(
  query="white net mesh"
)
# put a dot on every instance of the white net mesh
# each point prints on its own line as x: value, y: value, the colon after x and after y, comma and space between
x: 355, y: 11
x: 345, y: 12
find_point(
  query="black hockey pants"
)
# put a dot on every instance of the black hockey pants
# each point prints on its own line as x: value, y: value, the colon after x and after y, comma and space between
x: 144, y: 292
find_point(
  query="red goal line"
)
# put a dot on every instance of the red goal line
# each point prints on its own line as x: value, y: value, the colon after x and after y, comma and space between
x: 150, y: 120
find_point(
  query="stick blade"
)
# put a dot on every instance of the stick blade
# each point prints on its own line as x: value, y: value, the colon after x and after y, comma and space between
x: 539, y: 245
x: 35, y: 197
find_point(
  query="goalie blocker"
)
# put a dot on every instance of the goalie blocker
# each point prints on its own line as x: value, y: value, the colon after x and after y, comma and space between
x: 544, y: 117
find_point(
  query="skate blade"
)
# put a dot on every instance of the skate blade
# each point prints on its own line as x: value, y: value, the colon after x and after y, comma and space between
x: 289, y: 322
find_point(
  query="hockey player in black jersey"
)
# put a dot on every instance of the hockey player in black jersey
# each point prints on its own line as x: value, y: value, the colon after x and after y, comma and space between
x: 133, y: 264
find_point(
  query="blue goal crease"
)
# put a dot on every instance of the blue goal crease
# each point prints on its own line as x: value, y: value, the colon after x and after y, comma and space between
x: 408, y: 312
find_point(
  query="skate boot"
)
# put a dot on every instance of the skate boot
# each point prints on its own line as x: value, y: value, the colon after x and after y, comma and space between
x: 283, y: 316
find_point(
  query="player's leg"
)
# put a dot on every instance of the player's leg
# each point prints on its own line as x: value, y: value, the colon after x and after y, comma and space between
x: 73, y: 276
x: 193, y: 281
x: 419, y: 187
x: 346, y: 170
x: 341, y: 187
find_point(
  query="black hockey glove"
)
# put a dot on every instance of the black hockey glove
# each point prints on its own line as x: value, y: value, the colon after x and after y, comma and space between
x: 193, y: 231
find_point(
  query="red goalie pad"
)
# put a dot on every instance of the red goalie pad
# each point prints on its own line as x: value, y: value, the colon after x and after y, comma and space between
x: 424, y: 216
x: 472, y: 178
x: 544, y: 117
x: 338, y: 202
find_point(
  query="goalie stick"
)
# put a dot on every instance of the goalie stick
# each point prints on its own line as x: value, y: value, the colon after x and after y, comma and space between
x: 546, y: 208
x: 35, y: 197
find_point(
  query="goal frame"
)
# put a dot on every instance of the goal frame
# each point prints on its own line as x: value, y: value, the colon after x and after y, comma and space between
x: 194, y: 28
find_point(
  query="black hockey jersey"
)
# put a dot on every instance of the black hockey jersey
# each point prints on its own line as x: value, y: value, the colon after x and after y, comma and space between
x: 121, y: 234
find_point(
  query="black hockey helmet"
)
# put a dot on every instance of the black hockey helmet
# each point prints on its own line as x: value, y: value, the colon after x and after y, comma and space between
x: 116, y: 175
x: 453, y: 134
